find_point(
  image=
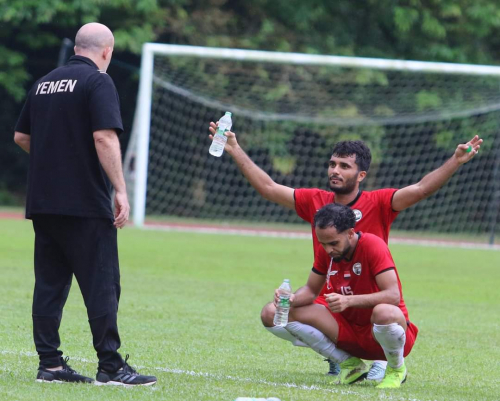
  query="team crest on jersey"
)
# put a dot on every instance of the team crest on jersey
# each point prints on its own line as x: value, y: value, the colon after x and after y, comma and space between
x: 357, y: 214
x: 356, y: 268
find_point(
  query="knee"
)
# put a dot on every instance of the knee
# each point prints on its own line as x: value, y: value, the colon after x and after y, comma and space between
x: 386, y: 314
x: 267, y: 314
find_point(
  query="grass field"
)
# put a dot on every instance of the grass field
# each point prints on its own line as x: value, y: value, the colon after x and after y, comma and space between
x: 189, y: 314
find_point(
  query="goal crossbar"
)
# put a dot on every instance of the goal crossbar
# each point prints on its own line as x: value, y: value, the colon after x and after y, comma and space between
x: 316, y: 59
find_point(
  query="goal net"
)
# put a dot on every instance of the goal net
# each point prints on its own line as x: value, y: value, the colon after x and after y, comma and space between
x: 288, y: 112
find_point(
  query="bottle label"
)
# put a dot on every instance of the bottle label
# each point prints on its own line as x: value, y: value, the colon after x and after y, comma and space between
x: 284, y: 302
x: 220, y: 139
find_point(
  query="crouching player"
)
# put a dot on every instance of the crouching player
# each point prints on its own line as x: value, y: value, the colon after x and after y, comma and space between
x: 364, y: 315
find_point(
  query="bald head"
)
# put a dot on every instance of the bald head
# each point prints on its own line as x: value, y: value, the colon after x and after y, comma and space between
x: 94, y: 37
x: 96, y: 42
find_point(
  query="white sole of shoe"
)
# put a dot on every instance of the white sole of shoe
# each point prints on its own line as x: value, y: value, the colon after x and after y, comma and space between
x: 48, y: 381
x: 112, y: 383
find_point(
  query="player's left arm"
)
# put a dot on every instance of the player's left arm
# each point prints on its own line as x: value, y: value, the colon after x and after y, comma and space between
x: 23, y: 141
x: 387, y: 282
x: 430, y: 183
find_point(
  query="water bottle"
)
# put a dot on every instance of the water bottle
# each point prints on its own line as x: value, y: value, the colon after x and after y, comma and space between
x: 217, y: 146
x: 281, y: 314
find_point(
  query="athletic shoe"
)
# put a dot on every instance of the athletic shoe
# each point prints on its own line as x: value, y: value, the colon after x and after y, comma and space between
x: 377, y: 372
x: 393, y: 377
x: 65, y: 375
x: 334, y: 368
x: 352, y: 370
x: 125, y: 376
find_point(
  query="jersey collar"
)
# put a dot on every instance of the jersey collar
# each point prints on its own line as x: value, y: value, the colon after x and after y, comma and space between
x: 359, y: 233
x: 82, y: 59
x: 355, y: 199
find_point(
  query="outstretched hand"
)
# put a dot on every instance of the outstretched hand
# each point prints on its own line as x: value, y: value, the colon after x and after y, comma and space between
x: 461, y: 153
x: 231, y: 137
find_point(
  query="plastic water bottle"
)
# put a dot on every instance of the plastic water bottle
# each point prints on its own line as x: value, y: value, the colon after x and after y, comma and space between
x: 217, y: 146
x: 281, y: 314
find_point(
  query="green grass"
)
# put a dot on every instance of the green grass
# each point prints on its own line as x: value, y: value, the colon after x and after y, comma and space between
x: 189, y: 313
x: 305, y: 227
x: 483, y: 238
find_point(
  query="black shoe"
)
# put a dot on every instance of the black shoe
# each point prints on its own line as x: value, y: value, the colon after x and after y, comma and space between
x: 125, y: 376
x: 65, y: 375
x: 334, y: 368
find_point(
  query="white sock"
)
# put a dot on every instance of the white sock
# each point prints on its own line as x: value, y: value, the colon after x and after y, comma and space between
x: 282, y: 333
x: 317, y: 341
x: 392, y: 339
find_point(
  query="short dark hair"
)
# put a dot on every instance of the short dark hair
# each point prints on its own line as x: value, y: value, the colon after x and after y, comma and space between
x: 334, y: 215
x: 356, y: 148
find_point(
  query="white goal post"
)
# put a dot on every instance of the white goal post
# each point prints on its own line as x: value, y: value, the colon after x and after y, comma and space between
x: 155, y: 75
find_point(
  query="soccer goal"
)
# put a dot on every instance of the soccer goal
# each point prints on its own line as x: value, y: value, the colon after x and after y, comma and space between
x: 288, y: 111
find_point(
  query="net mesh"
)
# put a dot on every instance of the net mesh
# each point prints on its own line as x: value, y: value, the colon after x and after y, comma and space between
x: 288, y: 117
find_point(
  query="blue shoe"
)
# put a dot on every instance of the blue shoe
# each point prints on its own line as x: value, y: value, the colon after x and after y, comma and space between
x: 334, y: 368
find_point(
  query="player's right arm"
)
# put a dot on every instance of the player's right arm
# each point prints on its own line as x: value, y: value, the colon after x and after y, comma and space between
x: 307, y: 294
x: 257, y: 177
x: 23, y: 141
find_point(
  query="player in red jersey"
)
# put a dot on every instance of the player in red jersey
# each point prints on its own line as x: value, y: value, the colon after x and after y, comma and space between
x: 365, y: 315
x: 375, y: 210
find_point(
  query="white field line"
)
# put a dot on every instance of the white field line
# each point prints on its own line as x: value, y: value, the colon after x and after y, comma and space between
x: 219, y: 377
x: 307, y: 235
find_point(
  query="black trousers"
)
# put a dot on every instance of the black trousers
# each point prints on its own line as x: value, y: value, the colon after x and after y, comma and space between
x: 86, y: 248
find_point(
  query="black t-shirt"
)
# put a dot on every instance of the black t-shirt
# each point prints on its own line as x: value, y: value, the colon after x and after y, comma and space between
x: 61, y: 113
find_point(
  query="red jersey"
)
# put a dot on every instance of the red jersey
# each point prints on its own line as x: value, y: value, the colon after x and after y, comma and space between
x: 357, y: 276
x: 373, y: 210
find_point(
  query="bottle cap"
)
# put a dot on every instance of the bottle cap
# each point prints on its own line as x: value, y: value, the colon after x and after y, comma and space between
x: 229, y: 113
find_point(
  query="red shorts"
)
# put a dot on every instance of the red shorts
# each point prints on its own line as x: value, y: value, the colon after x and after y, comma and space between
x: 359, y: 341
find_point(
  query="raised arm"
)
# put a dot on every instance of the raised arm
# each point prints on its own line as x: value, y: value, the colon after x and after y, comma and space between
x: 408, y: 196
x: 108, y: 150
x: 257, y: 177
x: 23, y: 141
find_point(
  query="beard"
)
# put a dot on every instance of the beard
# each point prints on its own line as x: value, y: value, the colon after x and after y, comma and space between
x: 343, y: 255
x: 350, y: 186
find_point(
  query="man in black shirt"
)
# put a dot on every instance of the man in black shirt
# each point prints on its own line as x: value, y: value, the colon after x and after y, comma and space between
x: 70, y: 125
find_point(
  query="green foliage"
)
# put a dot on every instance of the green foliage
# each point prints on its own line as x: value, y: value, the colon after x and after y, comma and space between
x: 428, y: 100
x: 12, y: 73
x: 28, y: 25
x: 448, y: 30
